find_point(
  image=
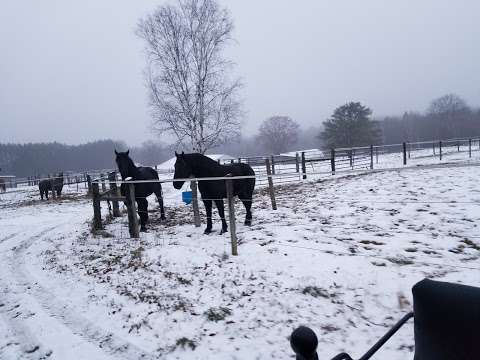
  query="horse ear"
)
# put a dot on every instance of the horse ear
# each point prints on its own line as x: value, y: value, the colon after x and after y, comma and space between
x: 183, y: 153
x: 128, y: 151
x: 116, y: 153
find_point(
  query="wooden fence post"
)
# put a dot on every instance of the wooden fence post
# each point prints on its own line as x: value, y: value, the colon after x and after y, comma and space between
x: 97, y: 215
x: 270, y: 184
x: 371, y: 157
x: 404, y: 153
x: 89, y: 184
x: 332, y: 160
x: 376, y: 154
x: 304, y: 166
x: 458, y: 146
x: 433, y: 146
x: 273, y: 165
x: 469, y: 148
x: 132, y: 212
x: 297, y: 164
x: 112, y: 178
x: 231, y: 215
x: 350, y: 157
x: 440, y: 149
x: 409, y: 149
x: 196, y: 212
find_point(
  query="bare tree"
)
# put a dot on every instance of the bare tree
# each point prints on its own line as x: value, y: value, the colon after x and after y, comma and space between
x: 450, y: 114
x: 277, y: 133
x: 191, y: 93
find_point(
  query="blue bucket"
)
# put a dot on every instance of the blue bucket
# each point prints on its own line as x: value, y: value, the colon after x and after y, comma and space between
x: 187, y: 197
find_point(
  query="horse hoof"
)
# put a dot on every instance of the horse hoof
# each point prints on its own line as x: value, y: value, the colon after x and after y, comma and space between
x: 163, y: 218
x: 223, y: 231
x: 143, y: 229
x: 248, y: 222
x: 207, y: 231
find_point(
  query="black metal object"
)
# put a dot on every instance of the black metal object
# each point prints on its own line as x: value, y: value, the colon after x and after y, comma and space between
x: 386, y: 337
x: 447, y: 319
x: 304, y: 342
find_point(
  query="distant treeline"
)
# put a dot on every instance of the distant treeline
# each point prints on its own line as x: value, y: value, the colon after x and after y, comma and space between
x: 447, y: 117
x: 30, y: 159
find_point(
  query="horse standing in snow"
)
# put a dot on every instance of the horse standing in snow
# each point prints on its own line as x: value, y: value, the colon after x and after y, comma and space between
x: 200, y: 166
x: 46, y: 185
x: 128, y: 170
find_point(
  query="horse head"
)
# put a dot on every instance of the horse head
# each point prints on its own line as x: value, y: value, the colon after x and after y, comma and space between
x: 182, y: 170
x: 124, y: 163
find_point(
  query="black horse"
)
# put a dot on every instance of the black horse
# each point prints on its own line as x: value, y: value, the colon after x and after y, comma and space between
x: 46, y: 185
x: 128, y: 170
x: 200, y: 166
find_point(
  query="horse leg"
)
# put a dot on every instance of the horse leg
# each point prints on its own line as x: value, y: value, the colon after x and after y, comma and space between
x: 248, y: 205
x: 143, y: 213
x: 221, y: 212
x: 41, y: 194
x: 157, y: 189
x: 208, y: 210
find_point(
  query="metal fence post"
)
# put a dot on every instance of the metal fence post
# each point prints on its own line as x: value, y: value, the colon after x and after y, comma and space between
x: 231, y: 215
x: 304, y: 166
x: 404, y: 153
x: 89, y: 184
x: 371, y: 157
x: 270, y: 184
x: 273, y: 165
x: 332, y: 160
x: 469, y: 148
x: 196, y: 212
x: 97, y: 215
x: 297, y: 165
x: 440, y: 149
x: 376, y: 154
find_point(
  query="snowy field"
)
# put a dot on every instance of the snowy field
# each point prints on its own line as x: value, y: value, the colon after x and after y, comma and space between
x: 339, y: 255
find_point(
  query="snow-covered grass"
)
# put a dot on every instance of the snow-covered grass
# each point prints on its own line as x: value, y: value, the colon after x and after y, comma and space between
x: 340, y: 255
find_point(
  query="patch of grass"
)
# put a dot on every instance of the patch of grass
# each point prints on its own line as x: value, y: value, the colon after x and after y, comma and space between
x: 184, y: 343
x: 183, y: 281
x: 400, y: 260
x: 471, y: 244
x: 315, y: 291
x: 217, y: 314
x: 372, y: 242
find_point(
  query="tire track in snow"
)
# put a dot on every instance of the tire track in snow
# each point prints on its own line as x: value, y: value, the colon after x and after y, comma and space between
x: 13, y: 312
x: 105, y: 341
x: 6, y: 238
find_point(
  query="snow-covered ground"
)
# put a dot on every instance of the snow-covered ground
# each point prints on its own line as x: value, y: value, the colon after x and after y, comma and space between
x: 340, y: 255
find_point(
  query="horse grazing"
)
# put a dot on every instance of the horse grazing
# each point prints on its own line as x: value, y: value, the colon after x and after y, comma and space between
x: 200, y: 166
x: 46, y: 185
x: 128, y: 170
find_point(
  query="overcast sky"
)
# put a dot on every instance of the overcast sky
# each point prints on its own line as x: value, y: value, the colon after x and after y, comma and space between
x: 71, y: 71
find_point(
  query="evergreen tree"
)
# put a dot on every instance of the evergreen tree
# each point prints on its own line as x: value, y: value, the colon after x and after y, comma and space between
x: 350, y: 125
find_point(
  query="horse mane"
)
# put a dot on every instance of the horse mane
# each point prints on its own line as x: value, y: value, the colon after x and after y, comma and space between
x: 202, y: 165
